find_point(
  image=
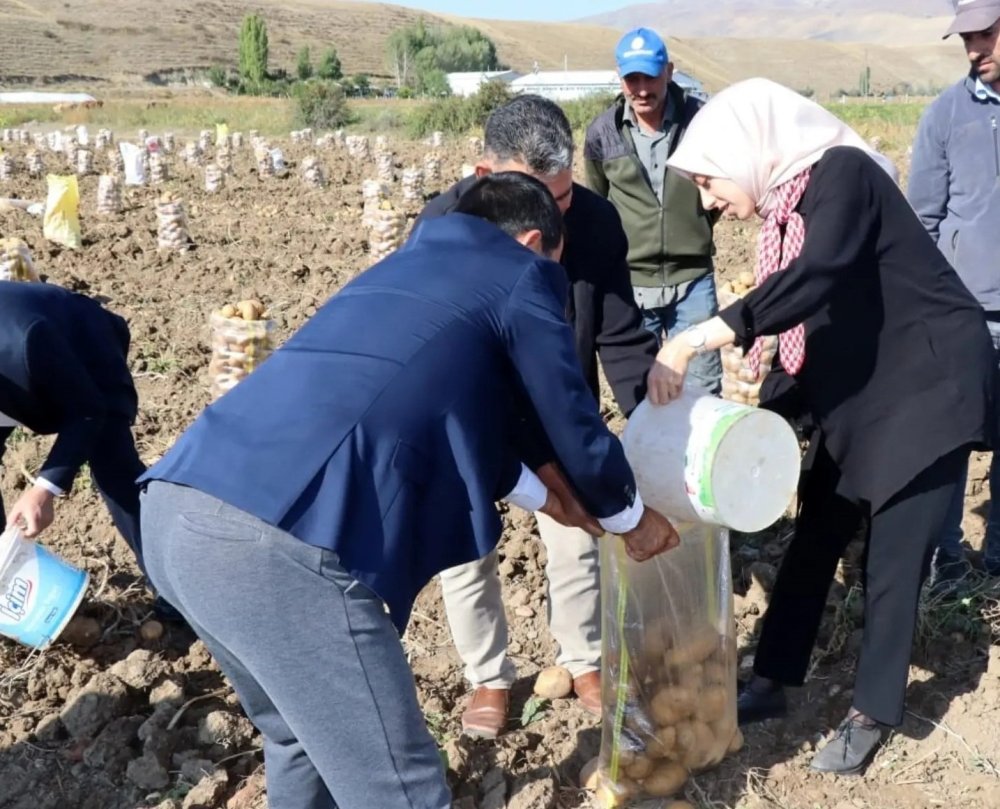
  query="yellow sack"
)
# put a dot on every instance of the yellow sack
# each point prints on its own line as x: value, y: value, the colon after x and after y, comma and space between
x: 62, y: 220
x: 221, y: 133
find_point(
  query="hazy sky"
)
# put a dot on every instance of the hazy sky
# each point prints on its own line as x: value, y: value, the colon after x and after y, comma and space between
x: 516, y: 9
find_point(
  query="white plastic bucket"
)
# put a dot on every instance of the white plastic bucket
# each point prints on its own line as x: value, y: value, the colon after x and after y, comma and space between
x: 39, y: 592
x: 706, y: 459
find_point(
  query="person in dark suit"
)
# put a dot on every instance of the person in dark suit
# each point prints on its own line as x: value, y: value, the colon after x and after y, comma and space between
x: 532, y: 135
x: 295, y: 522
x: 64, y: 372
x: 884, y: 348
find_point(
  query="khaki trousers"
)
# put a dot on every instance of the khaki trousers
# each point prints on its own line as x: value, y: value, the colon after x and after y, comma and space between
x: 472, y: 600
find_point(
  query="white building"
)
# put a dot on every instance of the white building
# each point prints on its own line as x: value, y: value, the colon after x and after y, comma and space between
x: 467, y: 84
x: 569, y: 85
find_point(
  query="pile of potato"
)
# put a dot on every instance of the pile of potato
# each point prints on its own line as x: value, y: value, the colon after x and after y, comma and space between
x: 36, y: 164
x: 386, y: 232
x: 159, y: 170
x: 312, y: 173
x: 241, y: 340
x: 413, y: 184
x: 8, y: 167
x: 109, y: 195
x: 432, y: 167
x: 679, y: 712
x: 16, y: 263
x: 739, y: 383
x: 172, y: 227
x: 385, y: 167
x: 214, y: 178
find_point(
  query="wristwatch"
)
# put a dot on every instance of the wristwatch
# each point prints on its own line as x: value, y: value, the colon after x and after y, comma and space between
x: 696, y: 339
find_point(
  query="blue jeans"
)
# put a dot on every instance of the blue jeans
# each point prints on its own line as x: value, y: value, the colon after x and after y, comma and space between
x: 697, y: 305
x: 950, y: 545
x: 311, y: 653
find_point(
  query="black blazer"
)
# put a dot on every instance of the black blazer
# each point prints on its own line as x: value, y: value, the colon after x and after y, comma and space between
x: 63, y: 370
x: 900, y: 368
x: 602, y: 311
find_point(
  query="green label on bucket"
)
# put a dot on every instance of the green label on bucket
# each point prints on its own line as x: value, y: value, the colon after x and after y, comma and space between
x: 702, y: 449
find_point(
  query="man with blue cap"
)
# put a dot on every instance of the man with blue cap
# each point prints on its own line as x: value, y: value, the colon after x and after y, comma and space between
x: 669, y: 232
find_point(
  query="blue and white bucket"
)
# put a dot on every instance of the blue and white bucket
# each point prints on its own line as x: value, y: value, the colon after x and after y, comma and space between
x: 39, y: 592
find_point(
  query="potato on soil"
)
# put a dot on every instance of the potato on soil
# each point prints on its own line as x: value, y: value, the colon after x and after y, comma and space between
x: 679, y: 805
x: 666, y: 779
x: 747, y: 278
x: 554, y: 682
x: 151, y: 631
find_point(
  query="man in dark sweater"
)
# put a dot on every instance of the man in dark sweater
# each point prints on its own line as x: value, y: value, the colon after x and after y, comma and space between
x: 532, y: 135
x: 669, y: 232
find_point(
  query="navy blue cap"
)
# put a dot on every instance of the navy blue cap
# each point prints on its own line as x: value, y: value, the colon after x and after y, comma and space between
x: 641, y: 50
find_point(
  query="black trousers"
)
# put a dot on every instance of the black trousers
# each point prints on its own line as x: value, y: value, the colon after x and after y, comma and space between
x: 114, y: 468
x: 901, y: 538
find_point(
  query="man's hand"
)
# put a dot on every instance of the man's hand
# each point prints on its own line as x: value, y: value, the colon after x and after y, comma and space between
x: 34, y: 510
x: 666, y: 378
x: 653, y: 535
x: 562, y: 504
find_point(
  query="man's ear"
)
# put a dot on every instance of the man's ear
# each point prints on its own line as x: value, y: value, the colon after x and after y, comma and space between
x: 532, y: 239
x: 483, y: 169
x: 670, y: 71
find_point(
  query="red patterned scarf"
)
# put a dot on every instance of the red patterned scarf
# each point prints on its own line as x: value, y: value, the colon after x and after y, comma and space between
x: 773, y: 255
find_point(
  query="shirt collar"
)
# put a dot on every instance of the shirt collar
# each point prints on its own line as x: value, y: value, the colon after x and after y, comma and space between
x: 985, y: 92
x: 668, y: 113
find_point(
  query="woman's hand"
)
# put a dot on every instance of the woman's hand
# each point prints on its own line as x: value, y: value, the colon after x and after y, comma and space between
x: 666, y: 378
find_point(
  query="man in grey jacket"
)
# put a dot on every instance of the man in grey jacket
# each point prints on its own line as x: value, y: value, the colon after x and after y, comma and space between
x: 955, y: 189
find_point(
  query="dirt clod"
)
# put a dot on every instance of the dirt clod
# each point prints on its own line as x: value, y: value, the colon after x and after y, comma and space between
x: 207, y: 792
x: 146, y: 772
x: 102, y: 699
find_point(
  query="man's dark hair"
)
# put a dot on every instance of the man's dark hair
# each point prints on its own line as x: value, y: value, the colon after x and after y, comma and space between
x: 531, y: 130
x: 515, y: 203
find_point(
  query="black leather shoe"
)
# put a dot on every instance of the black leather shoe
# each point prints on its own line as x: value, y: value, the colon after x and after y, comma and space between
x: 756, y: 706
x: 850, y: 750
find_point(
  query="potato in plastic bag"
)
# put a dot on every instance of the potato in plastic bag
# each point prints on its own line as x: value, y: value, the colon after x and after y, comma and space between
x: 669, y: 665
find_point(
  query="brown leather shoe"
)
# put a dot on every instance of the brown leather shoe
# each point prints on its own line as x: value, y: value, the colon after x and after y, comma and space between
x: 587, y: 688
x: 486, y: 715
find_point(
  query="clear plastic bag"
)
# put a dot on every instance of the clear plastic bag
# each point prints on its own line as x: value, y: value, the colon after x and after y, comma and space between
x: 669, y: 666
x: 238, y: 346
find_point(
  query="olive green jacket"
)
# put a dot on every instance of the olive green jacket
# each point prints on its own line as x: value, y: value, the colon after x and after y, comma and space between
x: 668, y: 244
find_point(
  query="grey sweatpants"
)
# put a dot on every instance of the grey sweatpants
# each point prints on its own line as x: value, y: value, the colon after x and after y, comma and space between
x: 312, y: 654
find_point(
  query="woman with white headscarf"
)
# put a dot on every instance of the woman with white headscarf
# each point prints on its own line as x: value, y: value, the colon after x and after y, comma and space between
x: 880, y: 344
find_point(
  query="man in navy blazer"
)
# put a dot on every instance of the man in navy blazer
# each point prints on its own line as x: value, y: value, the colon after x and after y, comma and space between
x: 64, y: 371
x: 295, y: 522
